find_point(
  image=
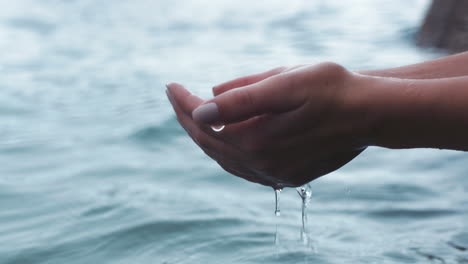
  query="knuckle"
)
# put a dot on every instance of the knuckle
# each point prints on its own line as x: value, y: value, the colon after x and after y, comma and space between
x: 332, y: 69
x: 245, y: 97
x: 294, y: 83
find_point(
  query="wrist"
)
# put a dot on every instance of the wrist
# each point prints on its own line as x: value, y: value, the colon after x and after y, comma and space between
x: 401, y: 112
x: 388, y: 102
x: 363, y: 96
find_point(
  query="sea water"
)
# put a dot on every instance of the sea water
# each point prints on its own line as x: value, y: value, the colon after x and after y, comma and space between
x: 94, y: 167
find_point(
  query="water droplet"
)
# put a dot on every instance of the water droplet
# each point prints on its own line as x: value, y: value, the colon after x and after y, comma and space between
x: 277, y: 201
x: 218, y: 128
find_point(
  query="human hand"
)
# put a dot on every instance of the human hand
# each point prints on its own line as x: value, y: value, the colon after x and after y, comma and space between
x: 284, y: 127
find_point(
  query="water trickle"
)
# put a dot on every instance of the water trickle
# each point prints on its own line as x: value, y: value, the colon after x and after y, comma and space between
x: 218, y: 128
x: 277, y: 201
x: 305, y: 192
x: 277, y: 241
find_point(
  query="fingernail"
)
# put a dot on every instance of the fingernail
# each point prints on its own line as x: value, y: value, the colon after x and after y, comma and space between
x: 213, y: 89
x: 169, y: 95
x: 207, y: 113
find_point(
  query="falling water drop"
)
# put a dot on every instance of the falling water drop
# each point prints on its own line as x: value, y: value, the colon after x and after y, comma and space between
x: 218, y: 128
x: 277, y: 201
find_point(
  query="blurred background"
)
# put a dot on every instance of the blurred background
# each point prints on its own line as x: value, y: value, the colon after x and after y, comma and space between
x: 94, y: 167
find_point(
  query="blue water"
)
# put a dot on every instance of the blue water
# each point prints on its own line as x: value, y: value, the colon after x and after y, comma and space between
x: 95, y: 169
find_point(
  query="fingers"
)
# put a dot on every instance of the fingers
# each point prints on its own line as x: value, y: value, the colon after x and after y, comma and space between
x: 272, y: 95
x: 246, y: 80
x: 185, y: 100
x: 229, y: 159
x: 182, y: 102
x: 251, y: 79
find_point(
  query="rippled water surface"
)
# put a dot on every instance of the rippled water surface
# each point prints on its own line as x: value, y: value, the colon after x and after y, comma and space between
x: 95, y: 169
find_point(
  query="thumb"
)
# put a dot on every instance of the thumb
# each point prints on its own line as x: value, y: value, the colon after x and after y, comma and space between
x: 272, y: 95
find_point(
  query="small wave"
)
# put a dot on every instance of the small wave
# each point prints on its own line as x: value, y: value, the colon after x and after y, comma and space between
x: 288, y: 257
x: 99, y: 210
x: 162, y: 236
x: 14, y: 110
x: 400, y: 257
x: 387, y: 192
x: 457, y: 247
x: 32, y: 24
x: 459, y: 241
x: 157, y: 134
x: 410, y: 213
x: 429, y: 256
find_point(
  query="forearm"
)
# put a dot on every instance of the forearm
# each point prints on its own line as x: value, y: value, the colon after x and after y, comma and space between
x: 446, y: 67
x: 419, y: 113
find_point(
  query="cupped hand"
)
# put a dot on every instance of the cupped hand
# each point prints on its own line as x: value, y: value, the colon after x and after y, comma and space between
x: 284, y: 127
